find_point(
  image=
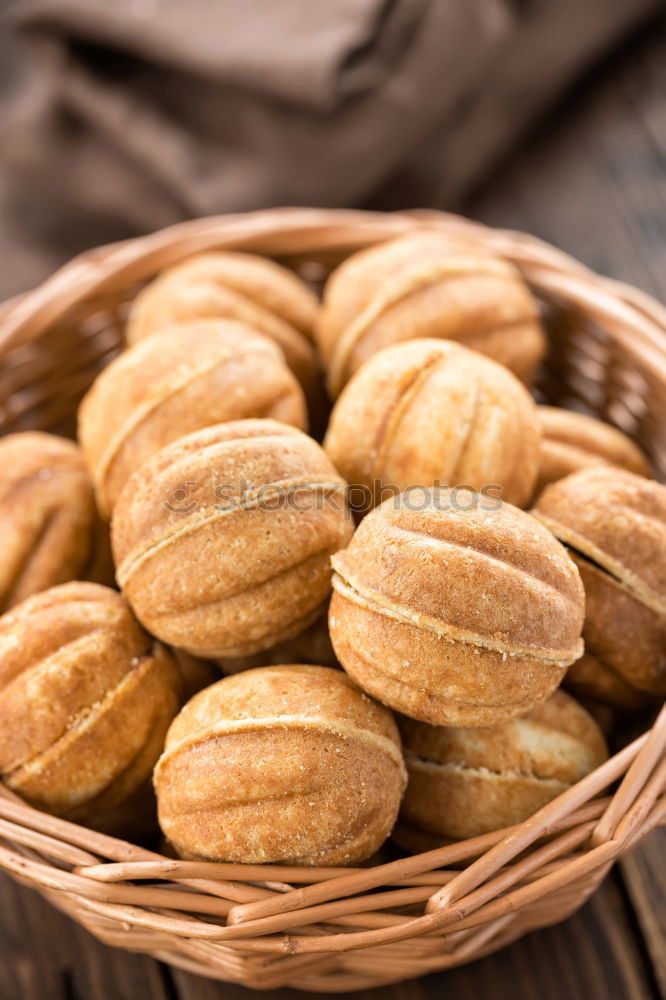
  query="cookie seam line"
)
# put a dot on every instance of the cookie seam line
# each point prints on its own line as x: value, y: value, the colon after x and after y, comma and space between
x: 252, y: 502
x: 169, y: 388
x: 367, y: 599
x: 428, y: 540
x: 179, y: 451
x: 271, y: 723
x: 617, y: 573
x: 582, y: 454
x: 91, y: 807
x: 41, y: 662
x: 33, y: 543
x: 622, y: 449
x: 288, y: 293
x: 222, y: 652
x: 382, y: 444
x: 585, y: 450
x: 80, y: 723
x: 280, y: 332
x: 426, y: 763
x: 401, y: 408
x: 177, y: 275
x: 411, y: 281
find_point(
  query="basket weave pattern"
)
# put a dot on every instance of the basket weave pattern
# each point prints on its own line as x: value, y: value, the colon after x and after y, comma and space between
x: 331, y: 929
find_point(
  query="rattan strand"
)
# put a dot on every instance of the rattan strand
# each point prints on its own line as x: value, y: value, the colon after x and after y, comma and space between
x: 331, y: 929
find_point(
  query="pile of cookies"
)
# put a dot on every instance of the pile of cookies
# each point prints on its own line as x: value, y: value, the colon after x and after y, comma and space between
x: 306, y: 647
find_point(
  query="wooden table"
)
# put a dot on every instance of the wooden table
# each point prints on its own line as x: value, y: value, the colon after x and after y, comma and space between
x: 593, y: 183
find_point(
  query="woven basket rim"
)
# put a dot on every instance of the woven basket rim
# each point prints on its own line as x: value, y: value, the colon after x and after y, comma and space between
x: 271, y: 925
x: 141, y: 257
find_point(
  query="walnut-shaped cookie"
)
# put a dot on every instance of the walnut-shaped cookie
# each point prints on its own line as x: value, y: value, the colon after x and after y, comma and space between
x: 463, y: 612
x: 86, y: 701
x: 423, y: 285
x: 49, y: 526
x: 614, y: 523
x: 601, y: 688
x: 170, y: 385
x: 571, y: 441
x: 466, y: 782
x: 432, y: 412
x: 289, y: 764
x: 223, y: 541
x: 220, y: 284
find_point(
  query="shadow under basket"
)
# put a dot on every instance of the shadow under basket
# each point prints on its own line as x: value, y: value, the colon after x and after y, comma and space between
x: 336, y: 930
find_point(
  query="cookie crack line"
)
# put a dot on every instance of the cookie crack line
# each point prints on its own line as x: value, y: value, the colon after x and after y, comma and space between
x: 372, y: 671
x: 446, y: 542
x: 395, y: 416
x: 224, y: 284
x: 411, y: 281
x: 251, y: 501
x: 605, y: 563
x: 372, y: 601
x: 229, y: 727
x: 78, y: 724
x: 182, y: 449
x: 287, y: 795
x: 244, y: 588
x: 49, y: 516
x: 169, y: 388
x: 459, y: 767
x: 470, y: 426
x: 51, y: 658
x: 401, y: 408
x: 92, y: 806
x: 226, y: 281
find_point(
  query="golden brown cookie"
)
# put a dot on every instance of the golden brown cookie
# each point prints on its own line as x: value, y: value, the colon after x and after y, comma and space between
x: 219, y: 284
x: 422, y: 285
x: 593, y: 682
x: 431, y: 411
x: 289, y: 764
x: 463, y: 613
x: 222, y: 542
x: 614, y: 522
x: 49, y: 526
x: 571, y: 441
x: 86, y: 701
x: 466, y: 782
x: 170, y: 385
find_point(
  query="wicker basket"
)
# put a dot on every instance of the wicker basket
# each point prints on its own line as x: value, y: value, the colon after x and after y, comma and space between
x: 336, y: 930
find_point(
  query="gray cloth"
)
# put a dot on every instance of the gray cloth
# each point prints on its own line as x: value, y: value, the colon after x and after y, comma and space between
x: 139, y: 113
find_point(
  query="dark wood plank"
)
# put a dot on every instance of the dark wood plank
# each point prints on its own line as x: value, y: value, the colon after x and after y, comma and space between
x: 46, y: 956
x: 592, y: 956
x: 644, y: 875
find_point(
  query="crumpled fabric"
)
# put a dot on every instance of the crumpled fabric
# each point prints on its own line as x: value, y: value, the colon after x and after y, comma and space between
x: 139, y: 113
